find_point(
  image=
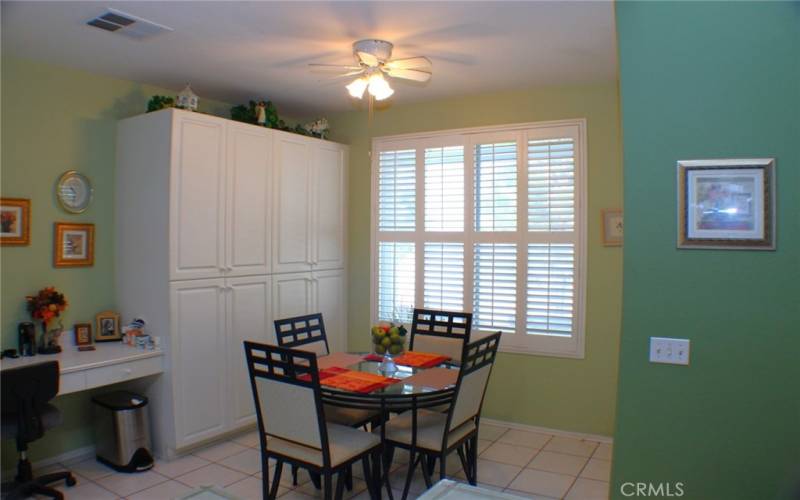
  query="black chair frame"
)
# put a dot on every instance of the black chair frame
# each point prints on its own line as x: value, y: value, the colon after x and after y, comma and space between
x: 430, y: 322
x: 299, y: 367
x: 301, y: 331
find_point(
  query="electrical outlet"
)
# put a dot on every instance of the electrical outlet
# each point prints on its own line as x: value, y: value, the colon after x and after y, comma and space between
x: 669, y: 351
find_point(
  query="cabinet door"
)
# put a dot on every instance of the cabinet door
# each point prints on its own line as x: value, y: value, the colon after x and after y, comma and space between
x: 329, y: 206
x: 249, y: 173
x: 291, y: 210
x: 198, y: 359
x: 291, y: 295
x: 329, y: 299
x: 249, y: 318
x: 197, y: 236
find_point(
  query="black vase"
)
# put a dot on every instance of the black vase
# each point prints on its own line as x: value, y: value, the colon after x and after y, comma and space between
x: 27, y: 338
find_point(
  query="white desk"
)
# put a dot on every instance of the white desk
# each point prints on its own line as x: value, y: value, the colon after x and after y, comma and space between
x: 108, y: 364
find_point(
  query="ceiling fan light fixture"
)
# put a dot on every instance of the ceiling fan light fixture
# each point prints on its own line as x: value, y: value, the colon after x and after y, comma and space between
x: 357, y: 87
x: 379, y: 88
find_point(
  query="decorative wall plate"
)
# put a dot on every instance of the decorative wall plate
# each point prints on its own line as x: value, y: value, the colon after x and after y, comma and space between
x: 74, y: 192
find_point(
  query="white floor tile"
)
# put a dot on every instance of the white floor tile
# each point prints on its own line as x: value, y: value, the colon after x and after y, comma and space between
x: 89, y: 468
x: 211, y: 475
x: 309, y: 489
x: 509, y: 454
x: 297, y: 495
x: 558, y: 462
x: 542, y: 483
x: 528, y: 496
x: 597, y: 469
x: 603, y: 452
x: 217, y: 452
x: 163, y: 491
x: 286, y: 476
x: 490, y: 431
x: 588, y: 489
x: 494, y: 473
x: 398, y: 480
x: 525, y: 438
x: 250, y: 440
x: 127, y: 484
x: 86, y: 491
x: 247, y: 461
x: 249, y: 488
x: 179, y: 466
x: 483, y: 444
x: 571, y: 446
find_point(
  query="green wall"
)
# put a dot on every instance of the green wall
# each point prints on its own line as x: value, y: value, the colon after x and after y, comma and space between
x: 709, y: 80
x: 53, y: 120
x: 570, y: 394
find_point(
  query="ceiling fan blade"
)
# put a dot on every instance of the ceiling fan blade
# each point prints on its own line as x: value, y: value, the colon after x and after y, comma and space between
x: 333, y: 68
x: 367, y: 58
x: 421, y: 63
x: 410, y: 74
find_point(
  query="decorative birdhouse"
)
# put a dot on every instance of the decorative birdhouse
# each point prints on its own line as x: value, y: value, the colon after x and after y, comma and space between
x: 187, y: 99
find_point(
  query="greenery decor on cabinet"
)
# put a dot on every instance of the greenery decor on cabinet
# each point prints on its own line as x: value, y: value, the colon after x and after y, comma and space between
x: 158, y: 102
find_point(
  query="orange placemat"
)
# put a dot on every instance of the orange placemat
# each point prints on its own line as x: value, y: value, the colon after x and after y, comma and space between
x: 420, y: 359
x: 351, y: 380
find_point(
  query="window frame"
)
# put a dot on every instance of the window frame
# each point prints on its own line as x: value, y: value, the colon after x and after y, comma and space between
x: 518, y: 342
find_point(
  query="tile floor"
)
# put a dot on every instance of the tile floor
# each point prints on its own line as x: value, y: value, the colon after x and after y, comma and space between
x: 529, y: 464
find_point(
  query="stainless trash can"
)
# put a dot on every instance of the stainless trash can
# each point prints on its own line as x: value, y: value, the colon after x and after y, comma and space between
x: 122, y: 431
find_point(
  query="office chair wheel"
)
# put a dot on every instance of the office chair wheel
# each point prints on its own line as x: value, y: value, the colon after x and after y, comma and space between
x: 70, y: 480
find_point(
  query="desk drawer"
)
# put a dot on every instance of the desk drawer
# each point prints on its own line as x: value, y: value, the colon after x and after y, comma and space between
x: 123, y: 371
x: 72, y: 382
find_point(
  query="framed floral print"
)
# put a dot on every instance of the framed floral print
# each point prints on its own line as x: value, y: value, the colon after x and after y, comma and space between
x: 15, y: 221
x: 612, y: 227
x: 73, y: 245
x: 727, y: 204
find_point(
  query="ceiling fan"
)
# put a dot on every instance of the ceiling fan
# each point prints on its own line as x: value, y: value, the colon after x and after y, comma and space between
x: 374, y: 63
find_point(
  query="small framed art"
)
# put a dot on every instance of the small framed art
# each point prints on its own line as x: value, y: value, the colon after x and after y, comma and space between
x: 107, y: 327
x: 15, y: 221
x: 727, y: 204
x: 612, y: 227
x: 83, y: 334
x: 73, y: 245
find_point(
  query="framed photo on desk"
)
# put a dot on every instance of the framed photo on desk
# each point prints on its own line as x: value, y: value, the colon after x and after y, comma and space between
x: 107, y: 327
x: 83, y: 334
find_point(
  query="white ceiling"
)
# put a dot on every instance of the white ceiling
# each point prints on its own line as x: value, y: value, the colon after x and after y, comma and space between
x: 235, y: 51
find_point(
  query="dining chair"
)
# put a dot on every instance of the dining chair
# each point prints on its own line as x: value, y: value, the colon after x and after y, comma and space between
x: 433, y: 435
x: 292, y: 426
x: 308, y: 334
x: 440, y: 332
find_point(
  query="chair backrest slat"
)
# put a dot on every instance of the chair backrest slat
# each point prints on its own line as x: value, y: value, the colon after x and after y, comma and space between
x: 476, y: 367
x: 441, y: 332
x: 303, y: 332
x: 286, y: 390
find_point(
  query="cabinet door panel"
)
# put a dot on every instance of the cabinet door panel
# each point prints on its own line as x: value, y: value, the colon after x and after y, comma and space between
x: 291, y: 295
x: 198, y: 359
x: 329, y: 297
x: 249, y: 318
x: 249, y: 171
x: 292, y: 212
x: 329, y: 207
x: 197, y: 184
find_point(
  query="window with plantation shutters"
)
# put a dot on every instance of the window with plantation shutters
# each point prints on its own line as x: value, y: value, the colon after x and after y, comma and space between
x: 490, y: 221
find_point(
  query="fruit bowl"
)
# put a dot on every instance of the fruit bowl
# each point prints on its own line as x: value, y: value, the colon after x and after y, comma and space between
x: 388, y: 338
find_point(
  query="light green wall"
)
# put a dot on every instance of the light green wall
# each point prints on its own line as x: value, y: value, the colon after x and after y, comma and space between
x: 578, y: 395
x: 53, y: 120
x: 709, y: 80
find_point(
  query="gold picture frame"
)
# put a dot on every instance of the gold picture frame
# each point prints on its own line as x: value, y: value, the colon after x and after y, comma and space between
x: 107, y: 327
x: 612, y: 227
x: 15, y: 222
x: 83, y: 333
x: 73, y: 245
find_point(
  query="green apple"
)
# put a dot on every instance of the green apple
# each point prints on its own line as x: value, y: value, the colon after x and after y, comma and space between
x: 386, y: 341
x: 396, y: 338
x: 396, y: 349
x: 380, y: 349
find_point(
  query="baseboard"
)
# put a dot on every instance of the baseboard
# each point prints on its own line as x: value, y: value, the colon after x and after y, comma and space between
x: 547, y: 430
x: 73, y: 456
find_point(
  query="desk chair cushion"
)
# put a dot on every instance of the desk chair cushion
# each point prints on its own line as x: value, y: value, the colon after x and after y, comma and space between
x: 450, y: 347
x: 430, y: 430
x: 344, y: 442
x: 51, y: 417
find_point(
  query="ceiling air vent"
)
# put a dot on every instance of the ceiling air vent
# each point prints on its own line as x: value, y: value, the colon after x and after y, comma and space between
x: 126, y: 24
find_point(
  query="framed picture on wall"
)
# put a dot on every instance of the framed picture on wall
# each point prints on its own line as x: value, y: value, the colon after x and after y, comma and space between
x: 612, y: 227
x: 727, y: 204
x: 15, y: 221
x: 73, y: 245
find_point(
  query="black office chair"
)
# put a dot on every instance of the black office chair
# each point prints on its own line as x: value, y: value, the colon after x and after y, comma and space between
x: 26, y: 414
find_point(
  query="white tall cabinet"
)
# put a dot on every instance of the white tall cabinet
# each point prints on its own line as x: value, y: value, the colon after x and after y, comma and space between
x: 222, y: 227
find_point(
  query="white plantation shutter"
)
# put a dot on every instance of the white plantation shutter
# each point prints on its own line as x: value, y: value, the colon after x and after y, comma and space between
x: 551, y: 185
x: 395, y: 280
x: 397, y: 190
x: 444, y: 276
x: 551, y: 289
x: 490, y: 221
x: 495, y: 186
x: 444, y: 189
x: 495, y: 286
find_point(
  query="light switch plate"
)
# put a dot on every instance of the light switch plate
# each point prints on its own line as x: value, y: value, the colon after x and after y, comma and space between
x: 669, y: 351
